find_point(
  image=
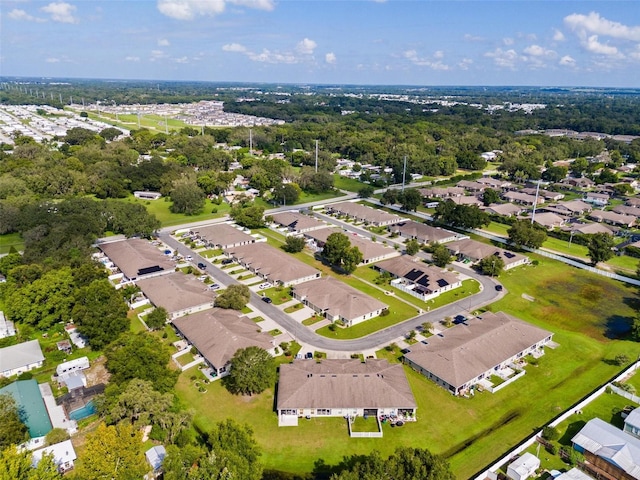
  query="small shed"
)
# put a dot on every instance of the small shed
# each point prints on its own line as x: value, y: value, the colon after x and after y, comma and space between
x: 155, y: 456
x: 524, y: 467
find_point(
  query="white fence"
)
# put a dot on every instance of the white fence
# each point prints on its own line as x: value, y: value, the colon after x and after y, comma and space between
x: 506, y: 382
x: 627, y: 395
x: 353, y: 434
x: 571, y: 411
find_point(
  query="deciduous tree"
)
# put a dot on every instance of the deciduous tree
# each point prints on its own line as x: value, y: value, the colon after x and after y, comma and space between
x: 114, y: 453
x: 157, y: 318
x: 187, y: 198
x: 600, y: 247
x: 13, y: 430
x: 17, y: 465
x: 293, y: 244
x: 491, y: 265
x: 234, y: 297
x: 412, y: 247
x: 440, y: 256
x: 525, y: 234
x: 253, y: 370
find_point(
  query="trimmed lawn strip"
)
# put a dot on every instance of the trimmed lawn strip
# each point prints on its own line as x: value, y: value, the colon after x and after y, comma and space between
x: 293, y: 308
x: 311, y: 320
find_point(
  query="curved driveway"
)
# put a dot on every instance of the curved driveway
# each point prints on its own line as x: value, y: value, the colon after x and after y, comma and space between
x: 301, y: 333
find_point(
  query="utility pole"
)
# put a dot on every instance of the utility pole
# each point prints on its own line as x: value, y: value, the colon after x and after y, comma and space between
x: 404, y: 172
x: 316, y: 156
x: 535, y: 203
x: 250, y: 142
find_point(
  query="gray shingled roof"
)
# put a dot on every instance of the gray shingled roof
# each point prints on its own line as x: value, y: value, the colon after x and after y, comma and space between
x: 20, y: 355
x: 275, y: 264
x: 464, y: 352
x: 219, y: 333
x: 343, y: 384
x: 135, y: 254
x: 296, y: 221
x: 338, y: 298
x: 423, y: 232
x: 176, y: 291
x: 223, y: 235
x: 371, y: 215
x: 368, y: 248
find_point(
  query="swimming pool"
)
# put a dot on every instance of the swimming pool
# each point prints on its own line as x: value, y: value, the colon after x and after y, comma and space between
x: 83, y: 412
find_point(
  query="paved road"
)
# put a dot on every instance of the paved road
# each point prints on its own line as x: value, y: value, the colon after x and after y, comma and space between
x: 301, y: 333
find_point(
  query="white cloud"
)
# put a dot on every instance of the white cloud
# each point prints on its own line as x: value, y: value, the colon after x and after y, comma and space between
x: 52, y: 60
x: 181, y: 60
x: 504, y: 58
x: 635, y: 54
x: 234, y: 47
x: 558, y: 36
x: 189, y: 9
x: 538, y: 51
x: 413, y: 57
x: 132, y: 59
x: 157, y: 55
x: 61, y: 12
x: 508, y: 41
x: 593, y: 45
x: 18, y: 14
x: 595, y: 24
x: 163, y: 42
x: 567, y: 61
x: 330, y: 58
x: 472, y: 38
x: 465, y: 63
x: 306, y: 47
x: 267, y: 56
x: 302, y: 52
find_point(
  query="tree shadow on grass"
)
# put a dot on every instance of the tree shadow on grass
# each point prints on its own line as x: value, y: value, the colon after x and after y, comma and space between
x: 571, y: 431
x: 323, y: 471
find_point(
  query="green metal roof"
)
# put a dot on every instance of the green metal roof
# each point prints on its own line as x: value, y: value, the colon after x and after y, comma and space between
x: 33, y: 412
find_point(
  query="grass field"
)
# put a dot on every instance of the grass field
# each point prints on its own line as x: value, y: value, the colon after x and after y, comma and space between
x: 9, y: 240
x: 583, y: 311
x: 347, y: 184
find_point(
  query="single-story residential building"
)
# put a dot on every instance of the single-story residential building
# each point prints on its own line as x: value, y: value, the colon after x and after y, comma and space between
x: 223, y: 235
x: 219, y: 333
x: 33, y: 411
x: 546, y: 194
x: 63, y: 454
x: 505, y: 209
x: 178, y: 293
x: 273, y: 264
x: 610, y: 449
x: 632, y: 423
x: 598, y: 199
x: 627, y: 210
x: 20, y: 358
x: 573, y: 208
x: 467, y: 200
x: 441, y: 192
x: 147, y: 195
x: 364, y: 214
x: 419, y: 279
x: 522, y: 198
x: 7, y: 328
x: 573, y: 474
x: 337, y: 301
x: 71, y: 366
x: 582, y: 182
x: 473, y: 187
x: 371, y: 251
x: 632, y: 201
x: 590, y: 228
x: 475, y: 251
x: 339, y: 388
x: 296, y: 222
x: 549, y: 220
x: 423, y: 233
x: 465, y: 354
x: 137, y: 257
x: 613, y: 218
x: 523, y: 467
x: 494, y: 183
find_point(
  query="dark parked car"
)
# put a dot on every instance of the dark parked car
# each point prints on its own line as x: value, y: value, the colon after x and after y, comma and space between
x: 266, y: 300
x: 459, y: 319
x: 309, y: 355
x: 202, y: 266
x: 226, y: 261
x: 498, y: 288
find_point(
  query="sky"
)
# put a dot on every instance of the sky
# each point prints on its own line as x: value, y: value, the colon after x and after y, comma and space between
x: 393, y: 42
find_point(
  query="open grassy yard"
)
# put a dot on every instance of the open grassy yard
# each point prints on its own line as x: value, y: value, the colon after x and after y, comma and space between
x: 348, y: 184
x: 582, y: 310
x: 9, y: 240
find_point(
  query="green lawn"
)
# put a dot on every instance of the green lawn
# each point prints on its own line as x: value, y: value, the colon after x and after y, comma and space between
x: 160, y: 208
x: 9, y: 240
x: 348, y: 184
